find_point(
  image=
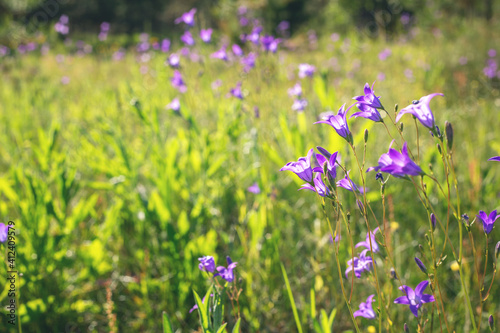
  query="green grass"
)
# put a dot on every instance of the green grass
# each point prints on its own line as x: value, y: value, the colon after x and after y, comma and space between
x: 109, y: 190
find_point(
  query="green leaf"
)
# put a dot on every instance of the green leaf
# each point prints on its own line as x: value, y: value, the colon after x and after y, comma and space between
x: 313, y: 304
x: 222, y: 328
x: 292, y: 301
x: 323, y: 317
x: 203, y: 310
x: 167, y: 325
x: 332, y: 317
x: 236, y: 328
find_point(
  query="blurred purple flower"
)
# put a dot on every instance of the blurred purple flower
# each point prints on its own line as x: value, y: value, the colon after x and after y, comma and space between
x: 174, y: 105
x: 227, y: 273
x: 296, y: 90
x: 381, y: 76
x: 216, y: 84
x: 405, y: 18
x: 488, y: 220
x: 335, y: 37
x: 220, y: 54
x: 491, y: 68
x: 302, y: 167
x: 463, y: 61
x: 306, y: 70
x: 206, y: 35
x: 384, y: 54
x: 339, y: 122
x: 249, y: 61
x: 237, y: 51
x: 492, y: 53
x: 319, y: 187
x: 415, y: 298
x: 174, y: 60
x: 105, y: 26
x: 366, y: 243
x: 255, y: 189
x: 421, y: 110
x: 366, y: 309
x: 65, y: 80
x: 299, y: 104
x: 397, y: 164
x: 187, y: 18
x: 187, y: 38
x: 62, y: 25
x: 165, y: 45
x: 4, y: 50
x: 4, y: 232
x: 178, y: 82
x: 359, y: 265
x: 254, y: 36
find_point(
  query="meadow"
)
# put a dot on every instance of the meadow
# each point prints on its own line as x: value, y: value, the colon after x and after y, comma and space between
x: 115, y: 193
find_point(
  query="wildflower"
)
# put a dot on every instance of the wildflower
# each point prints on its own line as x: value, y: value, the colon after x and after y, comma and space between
x: 4, y: 232
x: 269, y: 43
x: 348, y: 184
x: 319, y: 187
x: 165, y: 45
x: 302, y: 167
x: 237, y: 50
x: 174, y: 60
x: 178, y: 82
x: 359, y: 265
x: 397, y: 164
x: 384, y: 54
x: 206, y: 35
x: 369, y: 97
x: 255, y: 189
x: 367, y: 112
x: 491, y: 323
x: 330, y: 164
x: 220, y: 54
x: 174, y: 105
x: 296, y: 90
x: 365, y: 309
x: 227, y: 273
x: 306, y: 70
x: 187, y: 18
x: 236, y: 91
x: 421, y: 265
x: 415, y: 298
x: 207, y: 263
x: 62, y: 25
x: 495, y: 158
x: 339, y: 123
x: 421, y: 110
x: 254, y: 35
x: 492, y: 53
x: 187, y: 38
x: 366, y: 243
x: 299, y: 105
x: 488, y: 221
x: 282, y: 27
x: 249, y: 61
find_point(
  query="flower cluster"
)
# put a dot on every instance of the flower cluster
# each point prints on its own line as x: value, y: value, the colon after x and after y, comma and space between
x: 207, y: 264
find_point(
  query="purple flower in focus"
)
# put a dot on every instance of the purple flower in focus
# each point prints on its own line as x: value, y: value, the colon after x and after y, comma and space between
x: 302, y: 167
x: 366, y: 243
x: 348, y: 184
x: 339, y: 122
x: 319, y: 186
x: 178, y: 82
x: 174, y: 105
x: 227, y: 273
x: 306, y: 70
x: 4, y: 232
x: 220, y: 54
x: 398, y: 164
x: 255, y: 189
x: 366, y: 309
x: 488, y: 220
x: 330, y: 160
x: 421, y: 110
x: 359, y: 265
x: 415, y: 298
x: 165, y: 45
x: 187, y: 18
x: 299, y: 104
x: 206, y: 35
x: 207, y: 263
x: 367, y: 112
x: 174, y: 60
x: 369, y: 97
x: 236, y: 91
x: 187, y: 38
x: 237, y: 50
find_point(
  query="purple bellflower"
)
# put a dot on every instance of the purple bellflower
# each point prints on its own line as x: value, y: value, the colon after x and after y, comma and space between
x: 319, y: 187
x: 488, y: 220
x: 254, y: 36
x: 174, y: 105
x: 366, y: 309
x: 206, y: 35
x: 367, y: 112
x: 237, y: 51
x: 349, y: 185
x: 187, y: 17
x: 187, y: 38
x: 330, y: 165
x: 495, y: 158
x: 339, y: 123
x: 236, y: 91
x: 415, y: 298
x: 366, y: 243
x: 165, y: 45
x: 421, y: 110
x: 306, y: 70
x: 174, y: 60
x: 369, y: 98
x: 299, y: 105
x: 249, y: 61
x: 397, y: 164
x: 255, y: 189
x: 302, y: 167
x: 220, y: 54
x: 359, y: 265
x: 227, y: 273
x: 296, y: 90
x: 178, y: 82
x: 207, y: 263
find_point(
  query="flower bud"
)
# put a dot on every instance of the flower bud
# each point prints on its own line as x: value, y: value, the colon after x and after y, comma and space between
x: 439, y: 148
x: 491, y: 322
x: 401, y: 127
x: 421, y: 265
x: 379, y: 176
x: 407, y: 330
x: 438, y: 131
x: 393, y: 273
x: 497, y: 250
x: 366, y: 135
x: 396, y: 108
x: 449, y: 134
x: 433, y: 221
